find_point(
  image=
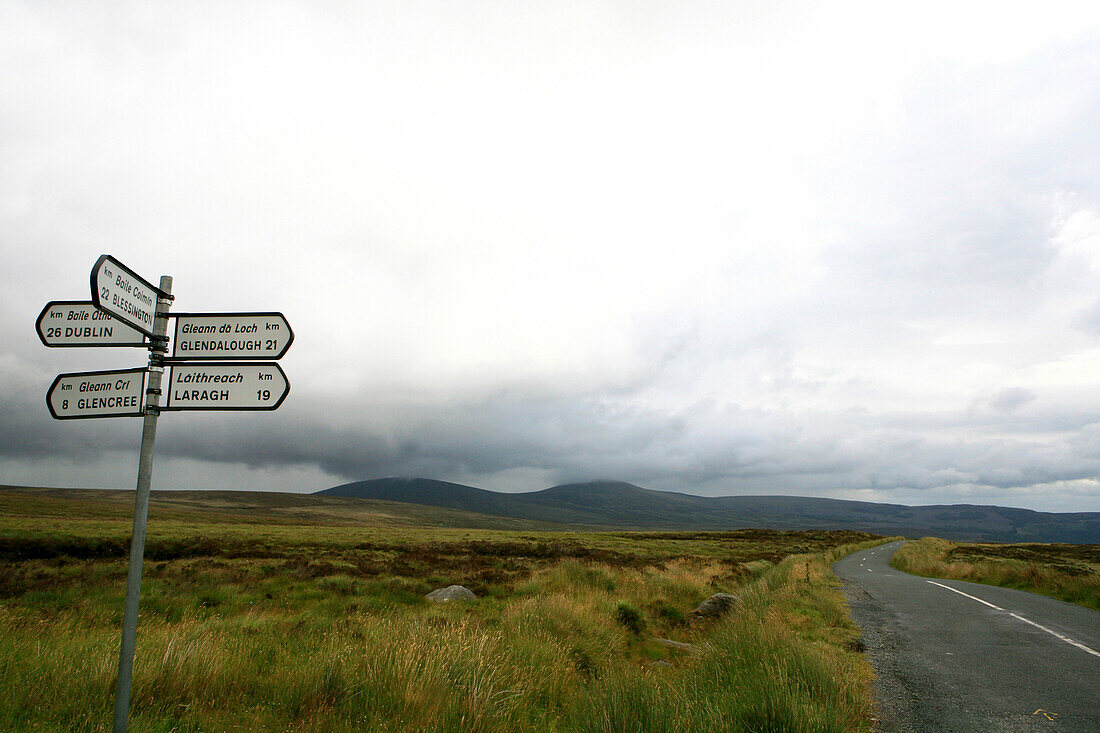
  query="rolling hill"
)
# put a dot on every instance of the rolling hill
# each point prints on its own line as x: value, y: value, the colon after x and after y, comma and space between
x: 245, y: 507
x: 618, y: 505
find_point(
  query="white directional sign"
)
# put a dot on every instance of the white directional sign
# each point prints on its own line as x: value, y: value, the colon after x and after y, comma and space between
x: 240, y: 386
x: 224, y: 336
x: 124, y: 294
x: 79, y: 323
x: 116, y: 393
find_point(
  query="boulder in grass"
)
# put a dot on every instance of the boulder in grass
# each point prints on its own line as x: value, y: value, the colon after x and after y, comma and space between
x: 451, y: 593
x: 717, y: 605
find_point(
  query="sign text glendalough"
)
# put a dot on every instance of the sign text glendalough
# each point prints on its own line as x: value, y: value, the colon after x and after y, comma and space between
x: 227, y: 336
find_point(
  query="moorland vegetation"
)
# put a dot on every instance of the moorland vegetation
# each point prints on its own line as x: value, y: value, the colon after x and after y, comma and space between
x: 292, y: 616
x: 1066, y: 572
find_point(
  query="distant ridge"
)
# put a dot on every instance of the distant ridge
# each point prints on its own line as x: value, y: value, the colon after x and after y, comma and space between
x: 619, y: 505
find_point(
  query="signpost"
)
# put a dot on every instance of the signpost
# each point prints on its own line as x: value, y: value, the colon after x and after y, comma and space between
x: 79, y: 323
x: 209, y: 336
x: 244, y: 386
x: 115, y: 393
x: 124, y: 310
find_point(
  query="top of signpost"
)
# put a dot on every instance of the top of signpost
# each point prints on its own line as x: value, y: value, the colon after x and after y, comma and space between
x: 118, y: 290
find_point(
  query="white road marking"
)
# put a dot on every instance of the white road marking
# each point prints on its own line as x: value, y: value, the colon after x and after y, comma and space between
x: 1019, y: 618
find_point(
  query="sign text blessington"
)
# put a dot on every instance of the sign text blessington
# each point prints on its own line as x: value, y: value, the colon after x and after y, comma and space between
x: 124, y: 294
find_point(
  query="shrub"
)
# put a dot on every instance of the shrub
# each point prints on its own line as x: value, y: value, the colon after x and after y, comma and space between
x: 630, y: 617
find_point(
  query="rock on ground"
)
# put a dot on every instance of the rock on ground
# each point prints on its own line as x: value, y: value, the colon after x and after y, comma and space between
x: 717, y: 605
x: 451, y: 593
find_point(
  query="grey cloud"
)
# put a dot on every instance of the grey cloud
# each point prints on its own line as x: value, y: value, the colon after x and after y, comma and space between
x: 707, y: 448
x: 1088, y: 320
x: 29, y: 431
x: 481, y: 436
x: 583, y: 439
x: 956, y: 215
x: 1010, y: 399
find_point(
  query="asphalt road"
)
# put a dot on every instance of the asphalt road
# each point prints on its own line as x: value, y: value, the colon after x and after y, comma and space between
x: 995, y: 659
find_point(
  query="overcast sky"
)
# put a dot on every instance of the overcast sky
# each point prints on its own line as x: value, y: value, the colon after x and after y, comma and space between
x: 843, y: 249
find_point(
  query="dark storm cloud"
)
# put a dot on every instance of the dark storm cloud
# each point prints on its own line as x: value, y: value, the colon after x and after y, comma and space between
x: 480, y: 436
x: 584, y: 439
x: 25, y: 376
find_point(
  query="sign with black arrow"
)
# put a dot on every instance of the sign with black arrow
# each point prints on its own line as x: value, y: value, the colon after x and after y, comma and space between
x: 68, y: 323
x: 230, y: 386
x: 222, y: 336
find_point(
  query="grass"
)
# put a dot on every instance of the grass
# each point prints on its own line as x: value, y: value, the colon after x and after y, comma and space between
x: 1066, y: 572
x: 318, y: 625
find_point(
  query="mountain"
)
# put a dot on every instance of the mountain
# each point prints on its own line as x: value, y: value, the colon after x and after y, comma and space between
x: 618, y: 505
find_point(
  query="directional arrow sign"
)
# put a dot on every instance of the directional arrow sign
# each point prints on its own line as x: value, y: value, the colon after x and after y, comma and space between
x: 79, y: 323
x: 236, y: 386
x: 116, y: 393
x: 124, y: 294
x: 231, y: 336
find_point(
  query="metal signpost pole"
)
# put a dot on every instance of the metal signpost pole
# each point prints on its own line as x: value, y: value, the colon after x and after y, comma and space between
x: 157, y: 348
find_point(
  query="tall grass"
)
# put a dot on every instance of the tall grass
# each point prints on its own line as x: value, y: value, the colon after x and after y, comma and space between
x: 1065, y: 578
x: 249, y: 644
